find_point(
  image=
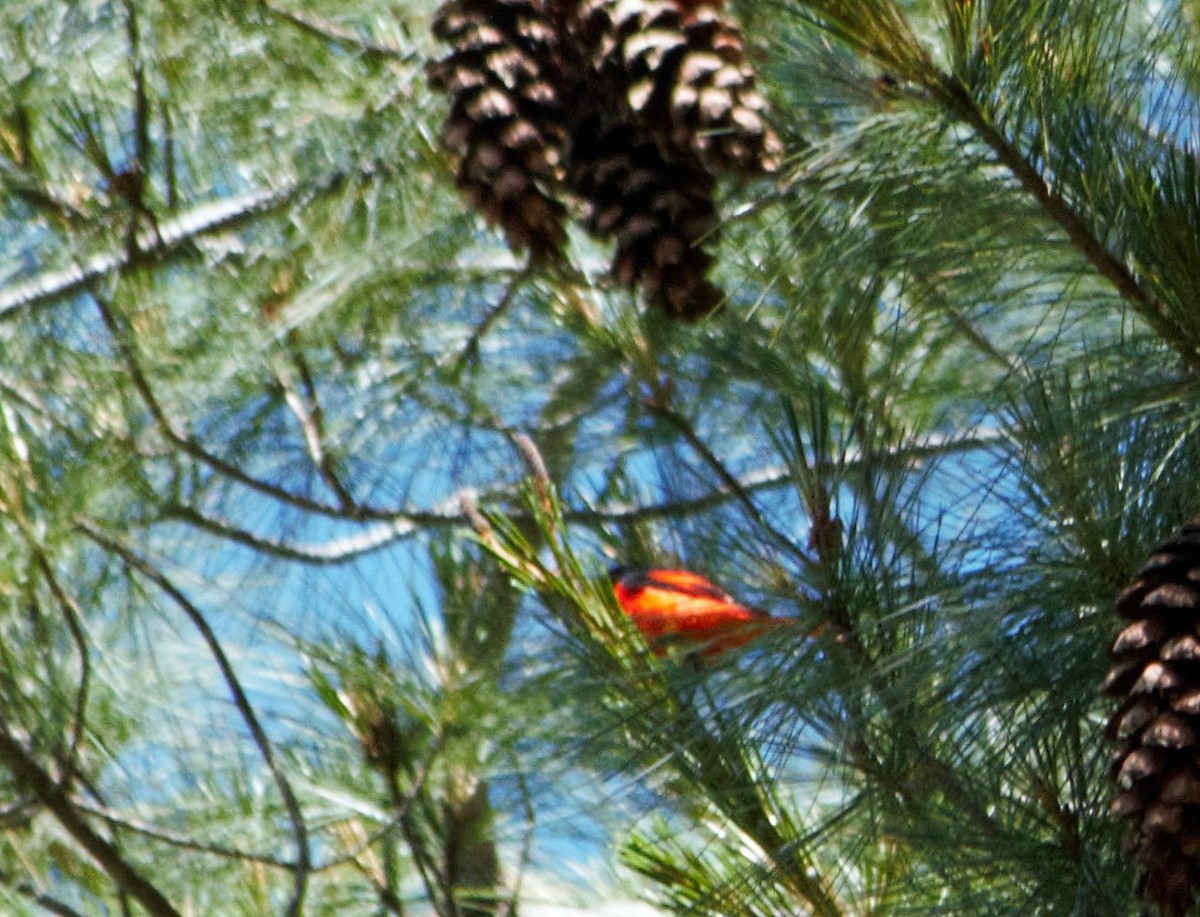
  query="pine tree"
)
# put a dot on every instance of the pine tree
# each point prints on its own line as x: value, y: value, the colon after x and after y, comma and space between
x: 337, y: 370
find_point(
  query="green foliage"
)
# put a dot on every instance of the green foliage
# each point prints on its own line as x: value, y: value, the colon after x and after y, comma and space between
x: 262, y: 440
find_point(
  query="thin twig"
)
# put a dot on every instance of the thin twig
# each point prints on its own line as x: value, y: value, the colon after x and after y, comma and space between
x: 121, y: 820
x: 388, y: 899
x: 431, y: 876
x: 704, y: 756
x: 192, y: 448
x: 241, y: 701
x: 138, y: 169
x: 70, y: 609
x: 72, y: 614
x: 728, y: 480
x: 329, y: 553
x: 324, y: 29
x: 418, y: 776
x: 510, y: 906
x: 452, y: 512
x: 28, y: 890
x: 471, y: 349
x: 308, y: 413
x: 401, y: 807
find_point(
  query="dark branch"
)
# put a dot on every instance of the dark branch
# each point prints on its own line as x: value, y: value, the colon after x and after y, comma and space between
x: 309, y: 414
x: 120, y: 820
x: 72, y: 614
x: 31, y: 775
x: 240, y: 700
x: 470, y: 351
x: 449, y: 514
x: 27, y: 890
x: 194, y: 449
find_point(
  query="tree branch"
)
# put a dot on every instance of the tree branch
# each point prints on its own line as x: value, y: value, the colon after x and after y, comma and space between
x: 309, y: 415
x: 449, y: 513
x: 30, y: 774
x: 470, y: 350
x: 120, y: 820
x: 219, y: 216
x: 28, y: 890
x: 71, y: 612
x: 241, y: 701
x: 1106, y: 263
x: 195, y: 450
x: 328, y: 31
x: 330, y: 553
x: 74, y: 618
x: 730, y: 483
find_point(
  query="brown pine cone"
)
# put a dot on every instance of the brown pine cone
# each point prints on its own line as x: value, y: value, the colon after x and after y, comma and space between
x: 681, y: 69
x: 660, y: 211
x: 506, y: 126
x: 1156, y: 669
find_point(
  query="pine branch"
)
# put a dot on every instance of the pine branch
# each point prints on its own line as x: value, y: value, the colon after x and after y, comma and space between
x: 172, y: 239
x: 182, y: 842
x: 30, y: 774
x: 1056, y: 206
x: 331, y: 32
x: 741, y: 800
x: 375, y: 537
x: 15, y: 503
x: 28, y: 890
x: 241, y: 701
x: 391, y: 526
x: 309, y: 415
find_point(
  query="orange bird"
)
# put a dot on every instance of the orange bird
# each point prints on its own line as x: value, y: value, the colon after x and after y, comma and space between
x: 678, y: 607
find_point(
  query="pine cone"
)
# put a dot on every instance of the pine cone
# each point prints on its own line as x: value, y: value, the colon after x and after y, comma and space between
x: 506, y: 124
x: 1156, y: 668
x: 682, y: 70
x: 374, y: 722
x: 659, y: 210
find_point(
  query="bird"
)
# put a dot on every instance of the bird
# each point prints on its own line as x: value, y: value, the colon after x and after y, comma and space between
x: 681, y: 609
